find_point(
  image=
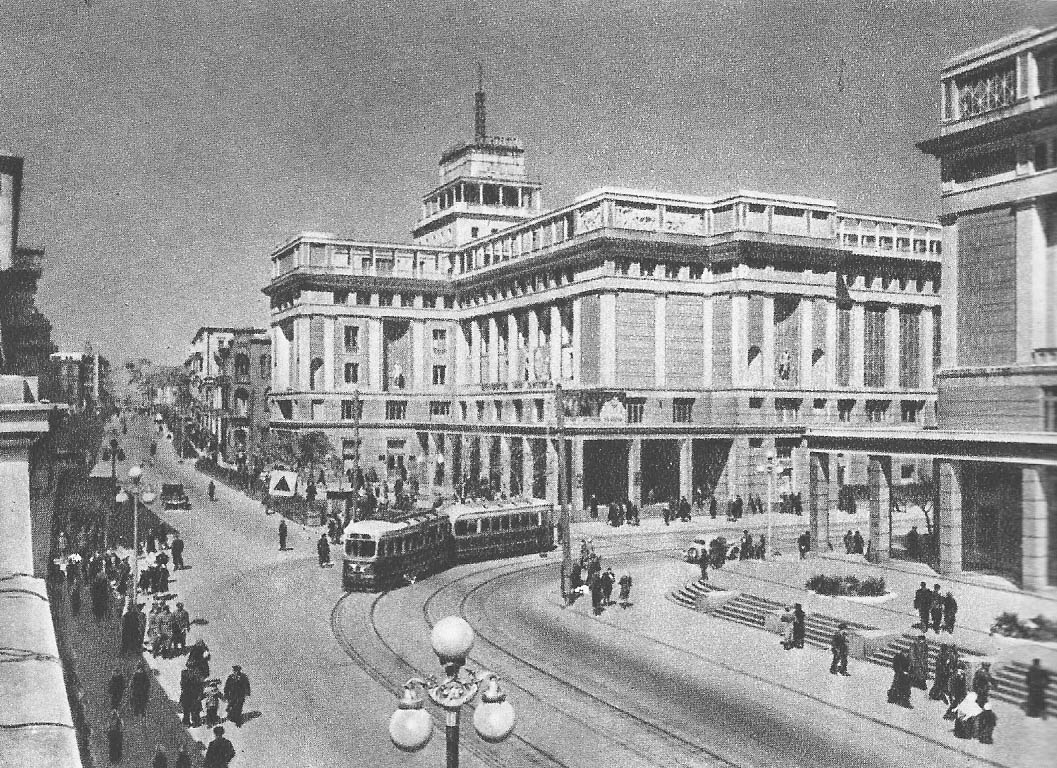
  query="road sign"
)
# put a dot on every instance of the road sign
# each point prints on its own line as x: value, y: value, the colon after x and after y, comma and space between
x: 282, y: 483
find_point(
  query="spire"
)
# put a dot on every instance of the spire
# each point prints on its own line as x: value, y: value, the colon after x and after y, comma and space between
x: 478, y: 105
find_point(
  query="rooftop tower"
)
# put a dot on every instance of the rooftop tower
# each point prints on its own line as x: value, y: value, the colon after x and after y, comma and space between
x: 483, y: 187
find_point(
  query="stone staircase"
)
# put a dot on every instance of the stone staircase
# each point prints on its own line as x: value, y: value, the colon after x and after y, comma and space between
x: 751, y: 611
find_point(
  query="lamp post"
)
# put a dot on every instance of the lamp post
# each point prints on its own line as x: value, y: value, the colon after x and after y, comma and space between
x: 563, y: 507
x: 411, y: 727
x: 772, y: 466
x: 136, y: 492
x: 113, y: 454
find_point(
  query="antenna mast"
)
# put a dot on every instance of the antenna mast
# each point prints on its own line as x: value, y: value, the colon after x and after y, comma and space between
x: 478, y: 106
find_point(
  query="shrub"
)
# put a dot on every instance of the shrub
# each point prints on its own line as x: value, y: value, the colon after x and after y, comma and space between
x: 1040, y: 628
x: 824, y: 584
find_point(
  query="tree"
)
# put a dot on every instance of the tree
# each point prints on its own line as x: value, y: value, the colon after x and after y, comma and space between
x: 312, y: 449
x: 921, y: 494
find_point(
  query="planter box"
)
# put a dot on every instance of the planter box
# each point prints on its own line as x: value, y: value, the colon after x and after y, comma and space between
x: 710, y: 601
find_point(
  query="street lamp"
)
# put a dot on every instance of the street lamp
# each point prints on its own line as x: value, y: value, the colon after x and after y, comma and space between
x: 411, y: 727
x: 137, y: 493
x: 773, y: 466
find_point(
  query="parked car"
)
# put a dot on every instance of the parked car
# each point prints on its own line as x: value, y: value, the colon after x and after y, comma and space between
x: 697, y: 548
x: 173, y: 496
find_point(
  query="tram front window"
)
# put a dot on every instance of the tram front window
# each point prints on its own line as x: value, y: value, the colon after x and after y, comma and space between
x: 366, y: 549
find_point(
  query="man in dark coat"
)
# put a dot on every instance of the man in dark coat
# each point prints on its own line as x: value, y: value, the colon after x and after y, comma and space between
x: 1037, y: 679
x: 985, y: 725
x: 950, y: 612
x: 236, y: 691
x: 323, y: 550
x: 746, y: 546
x: 799, y: 625
x: 713, y: 507
x: 838, y: 647
x: 983, y: 682
x: 191, y: 688
x: 899, y: 692
x: 922, y: 603
x: 282, y: 535
x: 181, y: 625
x: 140, y: 691
x: 936, y: 609
x: 913, y: 543
x: 116, y: 689
x: 594, y: 507
x: 220, y: 752
x: 608, y: 579
x: 177, y: 553
x: 131, y: 632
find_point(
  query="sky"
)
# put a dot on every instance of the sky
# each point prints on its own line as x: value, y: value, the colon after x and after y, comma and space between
x: 171, y: 145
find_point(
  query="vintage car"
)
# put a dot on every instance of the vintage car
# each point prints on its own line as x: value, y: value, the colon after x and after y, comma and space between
x: 697, y: 548
x: 173, y: 496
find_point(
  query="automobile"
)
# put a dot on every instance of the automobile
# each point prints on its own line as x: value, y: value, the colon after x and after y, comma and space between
x: 173, y: 496
x: 697, y: 548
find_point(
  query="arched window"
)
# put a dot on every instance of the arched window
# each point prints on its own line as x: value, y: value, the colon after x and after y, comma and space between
x: 242, y: 366
x: 314, y: 374
x: 242, y: 402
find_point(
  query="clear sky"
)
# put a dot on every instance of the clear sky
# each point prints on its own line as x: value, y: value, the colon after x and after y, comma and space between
x: 170, y: 144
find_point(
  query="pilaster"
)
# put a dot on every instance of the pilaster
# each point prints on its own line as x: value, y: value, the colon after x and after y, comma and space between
x: 807, y: 344
x: 739, y: 352
x: 504, y: 464
x: 686, y: 469
x: 926, y: 327
x: 418, y: 355
x: 892, y: 347
x: 556, y: 343
x: 576, y: 479
x: 493, y: 349
x: 822, y: 476
x: 1037, y: 493
x: 949, y: 516
x: 858, y: 346
x: 513, y: 350
x: 374, y: 361
x: 635, y: 470
x: 607, y: 334
x: 660, y: 305
x: 706, y: 350
x: 302, y: 333
x: 879, y: 479
x: 532, y: 342
x: 328, y: 353
x: 767, y: 344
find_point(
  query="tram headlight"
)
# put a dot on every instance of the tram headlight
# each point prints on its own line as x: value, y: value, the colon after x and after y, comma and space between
x: 410, y: 727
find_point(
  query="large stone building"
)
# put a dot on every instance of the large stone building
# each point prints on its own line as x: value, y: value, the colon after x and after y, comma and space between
x: 690, y: 335
x: 25, y: 334
x: 996, y: 447
x: 230, y: 371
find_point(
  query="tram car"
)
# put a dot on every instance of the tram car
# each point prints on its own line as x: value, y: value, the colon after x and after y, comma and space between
x: 383, y: 554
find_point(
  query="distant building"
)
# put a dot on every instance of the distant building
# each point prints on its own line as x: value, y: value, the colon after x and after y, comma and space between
x: 79, y: 379
x: 25, y: 334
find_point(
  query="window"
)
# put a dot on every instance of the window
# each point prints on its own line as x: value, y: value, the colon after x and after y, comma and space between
x: 909, y: 348
x: 396, y: 410
x: 1049, y: 408
x: 348, y: 410
x: 480, y: 410
x: 242, y: 366
x: 352, y: 338
x: 683, y: 410
x: 352, y: 373
x: 909, y: 411
x: 385, y: 299
x: 341, y: 297
x: 475, y: 232
x: 319, y: 410
x: 1044, y: 156
x: 819, y: 406
x: 634, y: 409
x: 539, y: 410
x: 755, y: 403
x: 843, y: 346
x: 988, y: 91
x: 844, y: 410
x: 464, y: 410
x: 877, y: 411
x: 440, y: 341
x: 787, y: 409
x: 266, y: 366
x: 498, y: 410
x: 874, y: 347
x: 440, y: 408
x: 286, y: 408
x: 440, y: 375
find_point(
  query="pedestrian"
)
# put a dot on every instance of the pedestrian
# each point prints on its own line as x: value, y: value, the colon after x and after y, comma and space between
x: 760, y: 551
x: 115, y: 688
x: 594, y: 583
x: 965, y: 715
x: 945, y: 660
x: 608, y: 579
x: 746, y: 546
x: 919, y: 661
x: 799, y: 625
x: 594, y: 507
x: 236, y: 691
x: 985, y: 724
x: 166, y: 625
x: 177, y: 549
x: 950, y: 612
x: 183, y: 758
x: 115, y: 736
x: 913, y: 543
x: 849, y: 542
x: 100, y: 593
x: 211, y: 702
x: 198, y: 658
x: 181, y: 625
x: 858, y: 543
x: 282, y: 535
x: 899, y: 692
x: 936, y: 609
x: 703, y: 562
x: 625, y: 590
x: 923, y: 603
x: 323, y: 550
x: 75, y: 596
x: 713, y: 507
x: 803, y: 543
x: 151, y: 545
x: 212, y: 491
x: 191, y: 696
x: 684, y: 510
x: 787, y: 627
x: 1037, y: 680
x: 161, y: 760
x: 219, y: 753
x: 983, y: 682
x: 838, y: 647
x: 957, y: 690
x: 140, y: 690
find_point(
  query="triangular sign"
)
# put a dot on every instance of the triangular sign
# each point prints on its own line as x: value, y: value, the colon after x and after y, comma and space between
x: 282, y: 485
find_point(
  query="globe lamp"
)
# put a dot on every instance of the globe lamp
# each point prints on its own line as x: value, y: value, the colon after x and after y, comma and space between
x: 147, y: 497
x: 452, y: 639
x: 410, y: 727
x: 134, y: 473
x: 121, y: 497
x: 494, y: 718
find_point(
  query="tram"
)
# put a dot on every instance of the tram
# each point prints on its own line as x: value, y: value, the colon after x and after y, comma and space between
x: 383, y: 554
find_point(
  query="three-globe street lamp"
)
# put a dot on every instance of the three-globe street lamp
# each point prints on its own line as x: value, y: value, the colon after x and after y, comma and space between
x: 772, y: 467
x: 113, y: 454
x: 411, y: 727
x: 136, y: 492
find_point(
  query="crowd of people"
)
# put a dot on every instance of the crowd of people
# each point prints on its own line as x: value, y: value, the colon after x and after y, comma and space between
x: 936, y: 611
x: 589, y: 577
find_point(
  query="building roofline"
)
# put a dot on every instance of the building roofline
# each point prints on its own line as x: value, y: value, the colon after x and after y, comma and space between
x: 1001, y: 48
x: 226, y: 329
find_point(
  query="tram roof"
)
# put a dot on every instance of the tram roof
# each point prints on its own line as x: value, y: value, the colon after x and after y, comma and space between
x: 473, y: 507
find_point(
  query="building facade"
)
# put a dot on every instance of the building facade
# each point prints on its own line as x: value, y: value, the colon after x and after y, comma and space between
x: 230, y: 370
x: 690, y: 336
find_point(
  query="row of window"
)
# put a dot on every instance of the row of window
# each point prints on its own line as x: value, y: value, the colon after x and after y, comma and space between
x: 387, y: 299
x: 496, y: 523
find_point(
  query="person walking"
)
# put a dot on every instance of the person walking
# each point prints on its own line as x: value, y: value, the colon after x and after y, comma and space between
x: 899, y: 692
x: 625, y: 590
x: 942, y: 672
x: 115, y: 736
x: 713, y: 506
x: 1037, y: 680
x: 139, y: 693
x: 787, y: 627
x: 236, y: 691
x: 115, y: 688
x: 849, y: 542
x: 181, y: 625
x: 913, y: 543
x: 936, y: 609
x: 858, y: 544
x: 282, y: 535
x: 919, y: 662
x: 608, y: 580
x: 799, y: 625
x: 191, y: 690
x: 212, y: 491
x: 177, y: 549
x: 323, y: 550
x: 703, y: 562
x: 985, y: 724
x: 211, y: 702
x: 950, y: 612
x: 746, y: 546
x: 183, y: 758
x: 957, y: 690
x: 922, y: 604
x: 220, y: 752
x: 983, y: 682
x: 838, y: 647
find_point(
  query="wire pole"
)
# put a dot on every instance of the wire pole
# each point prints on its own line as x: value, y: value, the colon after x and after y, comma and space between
x: 563, y: 506
x: 356, y: 455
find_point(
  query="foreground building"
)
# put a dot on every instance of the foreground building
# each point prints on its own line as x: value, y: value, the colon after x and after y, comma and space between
x: 996, y: 446
x: 690, y: 335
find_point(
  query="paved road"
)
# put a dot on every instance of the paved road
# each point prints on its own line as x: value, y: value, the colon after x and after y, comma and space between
x: 325, y: 666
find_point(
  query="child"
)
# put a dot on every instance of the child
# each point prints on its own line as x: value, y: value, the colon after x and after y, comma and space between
x: 625, y: 590
x: 211, y: 701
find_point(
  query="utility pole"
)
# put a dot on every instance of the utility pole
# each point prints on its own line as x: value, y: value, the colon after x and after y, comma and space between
x: 356, y: 455
x: 563, y: 505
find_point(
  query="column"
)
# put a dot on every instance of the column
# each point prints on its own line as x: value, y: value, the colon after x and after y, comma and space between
x: 949, y: 516
x: 706, y: 351
x: 527, y: 467
x: 475, y: 351
x: 302, y: 331
x: 577, y: 352
x: 858, y: 346
x: 1033, y: 294
x: 686, y: 469
x: 513, y: 351
x: 800, y: 468
x: 576, y: 479
x: 767, y: 347
x: 660, y: 305
x: 892, y: 346
x: 739, y: 352
x: 532, y: 343
x: 926, y: 329
x: 462, y: 355
x: 281, y: 345
x: 374, y: 358
x: 486, y: 457
x: 879, y: 478
x: 493, y: 349
x: 418, y: 355
x: 556, y: 343
x: 822, y: 478
x: 831, y: 346
x: 607, y: 335
x: 948, y: 297
x: 552, y: 472
x: 328, y: 353
x: 504, y: 465
x: 1037, y: 489
x: 635, y: 471
x: 807, y: 343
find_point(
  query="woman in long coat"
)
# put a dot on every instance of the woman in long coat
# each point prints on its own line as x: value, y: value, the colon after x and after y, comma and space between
x: 787, y: 627
x: 957, y: 688
x: 919, y: 662
x: 945, y: 661
x: 799, y: 625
